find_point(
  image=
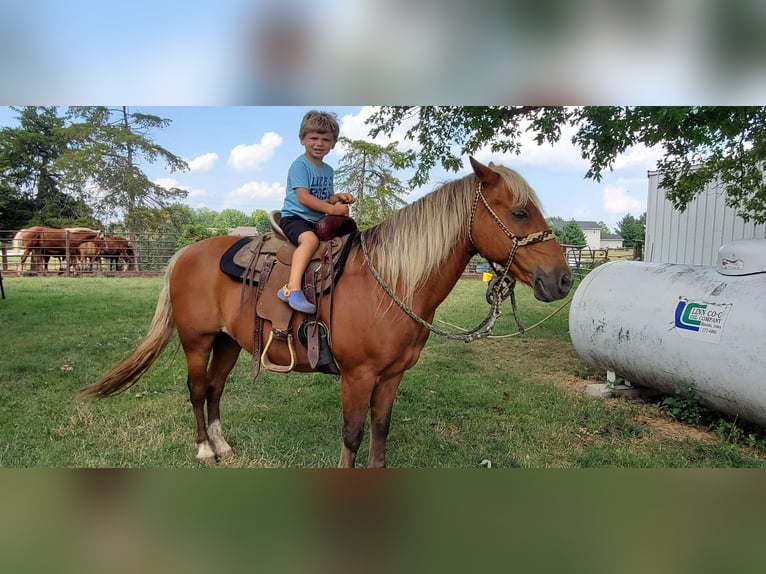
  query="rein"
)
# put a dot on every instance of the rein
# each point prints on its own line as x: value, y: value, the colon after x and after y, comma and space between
x: 499, y: 289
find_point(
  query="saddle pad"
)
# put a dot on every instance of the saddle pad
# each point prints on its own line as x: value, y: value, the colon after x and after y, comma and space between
x: 234, y: 261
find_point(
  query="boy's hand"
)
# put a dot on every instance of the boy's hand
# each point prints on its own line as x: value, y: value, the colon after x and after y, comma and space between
x: 344, y: 198
x: 338, y: 209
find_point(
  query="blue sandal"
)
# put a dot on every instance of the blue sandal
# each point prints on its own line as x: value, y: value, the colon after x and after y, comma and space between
x: 297, y: 300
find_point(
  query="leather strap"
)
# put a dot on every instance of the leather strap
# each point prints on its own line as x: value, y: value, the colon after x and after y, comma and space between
x: 258, y: 324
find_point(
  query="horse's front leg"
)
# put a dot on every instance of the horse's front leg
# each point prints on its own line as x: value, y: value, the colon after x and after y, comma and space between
x: 355, y: 400
x: 381, y: 406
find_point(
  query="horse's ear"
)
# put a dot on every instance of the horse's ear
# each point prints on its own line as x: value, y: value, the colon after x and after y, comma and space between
x: 486, y: 175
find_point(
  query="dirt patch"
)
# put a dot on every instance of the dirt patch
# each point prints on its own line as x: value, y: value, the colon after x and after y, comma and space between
x: 557, y: 362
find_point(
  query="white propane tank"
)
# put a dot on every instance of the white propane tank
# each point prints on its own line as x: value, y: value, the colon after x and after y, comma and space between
x: 662, y: 325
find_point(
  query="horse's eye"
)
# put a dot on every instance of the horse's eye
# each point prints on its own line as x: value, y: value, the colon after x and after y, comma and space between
x: 519, y: 214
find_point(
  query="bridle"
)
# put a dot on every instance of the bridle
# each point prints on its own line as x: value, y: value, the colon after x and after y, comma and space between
x: 499, y: 288
x: 518, y: 240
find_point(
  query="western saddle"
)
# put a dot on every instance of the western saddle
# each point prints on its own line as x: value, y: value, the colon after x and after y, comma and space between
x: 262, y: 263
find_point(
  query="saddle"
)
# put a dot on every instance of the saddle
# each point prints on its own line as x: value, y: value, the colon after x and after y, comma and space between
x: 263, y: 263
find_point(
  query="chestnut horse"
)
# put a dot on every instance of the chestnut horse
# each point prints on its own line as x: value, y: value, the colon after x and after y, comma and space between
x: 116, y: 248
x: 417, y: 255
x: 46, y: 242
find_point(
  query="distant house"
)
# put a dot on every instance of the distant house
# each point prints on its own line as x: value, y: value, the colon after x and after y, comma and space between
x: 611, y: 241
x: 595, y: 240
x: 592, y: 231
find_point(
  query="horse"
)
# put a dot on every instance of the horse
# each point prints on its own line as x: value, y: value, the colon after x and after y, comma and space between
x: 45, y: 242
x: 89, y: 255
x: 116, y: 248
x: 396, y: 274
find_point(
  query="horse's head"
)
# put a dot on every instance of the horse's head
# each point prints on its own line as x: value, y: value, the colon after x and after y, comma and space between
x: 508, y: 228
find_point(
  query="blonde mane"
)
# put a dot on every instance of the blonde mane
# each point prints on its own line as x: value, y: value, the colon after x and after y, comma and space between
x: 413, y: 243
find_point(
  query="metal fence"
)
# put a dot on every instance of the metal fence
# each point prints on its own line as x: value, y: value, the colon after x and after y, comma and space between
x: 150, y: 255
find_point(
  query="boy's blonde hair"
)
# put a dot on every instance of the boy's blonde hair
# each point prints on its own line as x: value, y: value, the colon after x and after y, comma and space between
x: 321, y: 122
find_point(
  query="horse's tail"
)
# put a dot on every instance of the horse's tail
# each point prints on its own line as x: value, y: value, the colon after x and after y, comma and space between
x: 126, y: 373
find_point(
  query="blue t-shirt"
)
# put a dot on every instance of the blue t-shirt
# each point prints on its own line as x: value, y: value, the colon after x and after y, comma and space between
x: 319, y: 182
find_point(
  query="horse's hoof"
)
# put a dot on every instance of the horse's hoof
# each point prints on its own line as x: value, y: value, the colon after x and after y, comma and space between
x: 226, y: 454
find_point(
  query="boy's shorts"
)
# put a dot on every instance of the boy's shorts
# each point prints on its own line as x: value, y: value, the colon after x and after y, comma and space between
x: 293, y: 226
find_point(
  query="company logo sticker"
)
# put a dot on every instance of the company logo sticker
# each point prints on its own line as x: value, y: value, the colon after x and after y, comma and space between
x: 701, y: 320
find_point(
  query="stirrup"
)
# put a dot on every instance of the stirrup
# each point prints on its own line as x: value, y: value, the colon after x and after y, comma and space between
x: 273, y: 366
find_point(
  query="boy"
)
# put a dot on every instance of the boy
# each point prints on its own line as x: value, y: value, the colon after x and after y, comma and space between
x: 309, y: 196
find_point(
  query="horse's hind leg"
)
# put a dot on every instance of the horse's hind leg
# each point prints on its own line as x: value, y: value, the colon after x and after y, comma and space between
x: 197, y: 357
x: 225, y: 353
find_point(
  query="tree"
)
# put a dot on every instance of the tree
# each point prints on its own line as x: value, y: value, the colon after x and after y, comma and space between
x: 105, y: 148
x: 366, y: 172
x: 87, y: 159
x: 232, y: 218
x: 701, y: 144
x: 632, y: 229
x: 31, y: 188
x: 260, y: 218
x: 572, y: 234
x: 556, y: 224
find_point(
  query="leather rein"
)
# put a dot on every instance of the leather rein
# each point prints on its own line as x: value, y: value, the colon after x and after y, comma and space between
x: 500, y: 287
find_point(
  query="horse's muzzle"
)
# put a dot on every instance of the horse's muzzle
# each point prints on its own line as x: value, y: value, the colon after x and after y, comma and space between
x: 552, y: 287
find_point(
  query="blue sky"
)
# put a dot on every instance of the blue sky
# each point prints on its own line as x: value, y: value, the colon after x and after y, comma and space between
x: 239, y: 157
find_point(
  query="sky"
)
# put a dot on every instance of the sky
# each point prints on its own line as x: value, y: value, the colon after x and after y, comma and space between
x: 238, y: 158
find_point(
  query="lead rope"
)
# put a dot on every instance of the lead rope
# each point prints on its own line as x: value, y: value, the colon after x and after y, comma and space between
x: 498, y: 290
x: 497, y: 293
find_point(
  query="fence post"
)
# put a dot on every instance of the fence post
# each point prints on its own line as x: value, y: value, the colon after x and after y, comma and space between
x: 5, y: 258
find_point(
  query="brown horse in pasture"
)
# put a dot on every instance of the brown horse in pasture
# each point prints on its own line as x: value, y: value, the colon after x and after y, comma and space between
x: 89, y: 255
x: 395, y: 276
x: 42, y: 243
x: 117, y: 248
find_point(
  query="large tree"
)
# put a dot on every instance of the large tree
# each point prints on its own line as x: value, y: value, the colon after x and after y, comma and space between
x: 106, y: 148
x: 632, y: 229
x: 701, y: 144
x: 366, y: 171
x: 31, y: 180
x: 63, y: 167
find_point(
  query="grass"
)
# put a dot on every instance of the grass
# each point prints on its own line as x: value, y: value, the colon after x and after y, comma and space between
x: 515, y: 401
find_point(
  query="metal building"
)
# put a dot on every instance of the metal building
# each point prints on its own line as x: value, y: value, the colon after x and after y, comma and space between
x: 694, y: 236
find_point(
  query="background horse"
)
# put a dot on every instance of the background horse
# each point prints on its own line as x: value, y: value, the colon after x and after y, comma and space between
x: 418, y: 254
x: 118, y: 247
x: 89, y: 255
x: 45, y: 242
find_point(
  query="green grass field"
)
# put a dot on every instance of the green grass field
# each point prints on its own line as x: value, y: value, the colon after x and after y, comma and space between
x: 514, y: 401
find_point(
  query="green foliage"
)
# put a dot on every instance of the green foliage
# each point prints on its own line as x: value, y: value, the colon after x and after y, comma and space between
x: 366, y: 172
x: 572, y: 234
x: 701, y: 144
x: 232, y: 218
x: 260, y: 219
x: 55, y: 160
x: 195, y: 232
x: 684, y: 405
x: 632, y: 229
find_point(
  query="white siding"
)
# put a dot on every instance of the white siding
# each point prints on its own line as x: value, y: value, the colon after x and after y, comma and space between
x: 593, y: 238
x: 694, y: 236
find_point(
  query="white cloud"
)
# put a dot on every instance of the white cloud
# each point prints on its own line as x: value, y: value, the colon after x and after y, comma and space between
x: 639, y: 155
x: 254, y: 194
x: 251, y: 157
x: 353, y: 127
x: 204, y: 162
x: 617, y: 200
x: 167, y: 182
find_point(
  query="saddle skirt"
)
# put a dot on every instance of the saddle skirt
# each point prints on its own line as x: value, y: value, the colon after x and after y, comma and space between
x: 263, y: 264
